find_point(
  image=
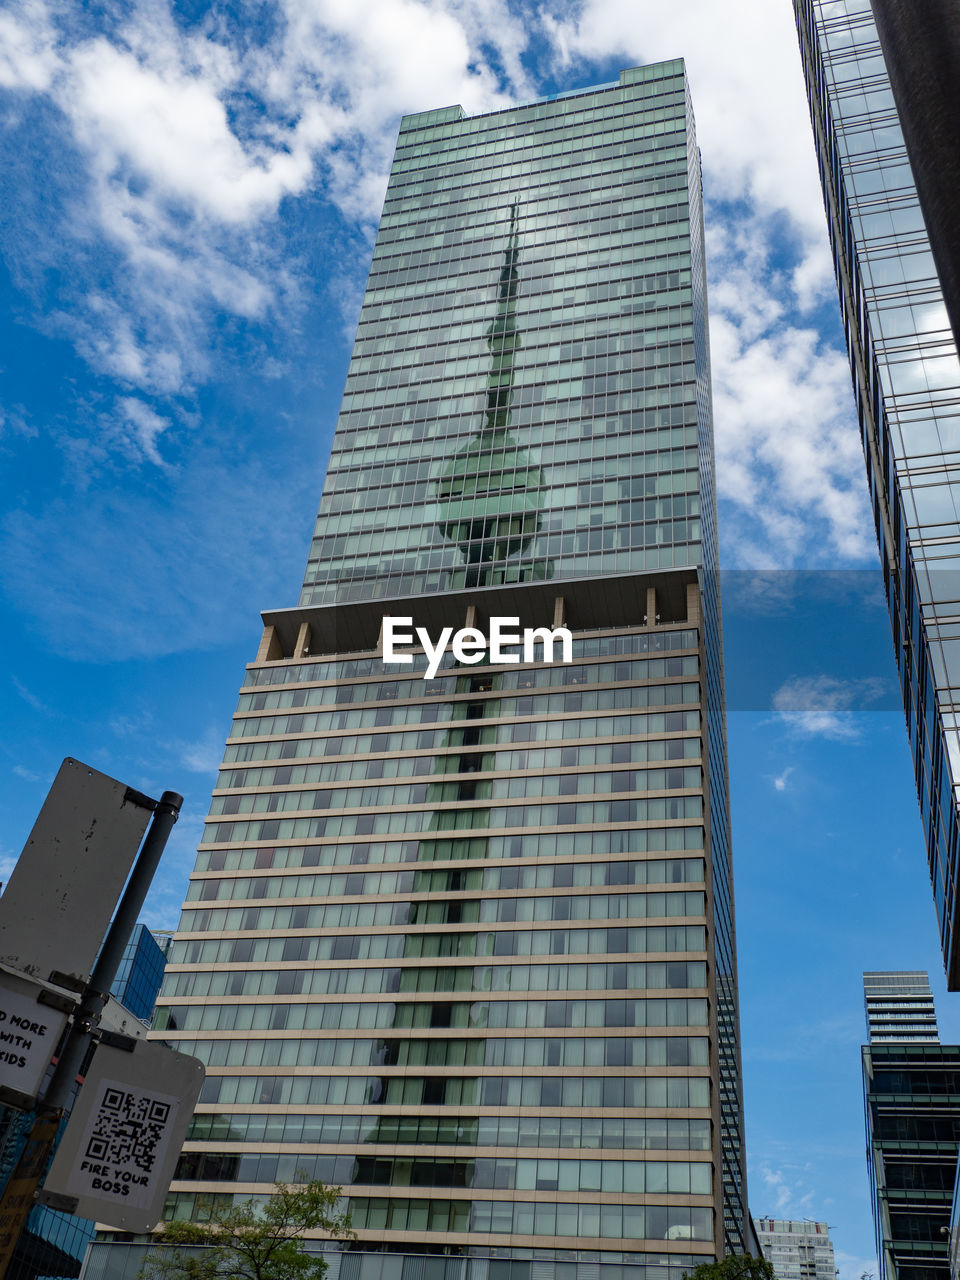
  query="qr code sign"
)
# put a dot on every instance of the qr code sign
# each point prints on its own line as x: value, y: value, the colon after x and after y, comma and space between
x: 128, y: 1129
x: 121, y: 1144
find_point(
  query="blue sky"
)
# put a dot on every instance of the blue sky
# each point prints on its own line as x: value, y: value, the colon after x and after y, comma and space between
x: 189, y: 195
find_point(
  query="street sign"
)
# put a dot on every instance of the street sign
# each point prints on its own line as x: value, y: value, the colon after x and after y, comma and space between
x: 61, y: 894
x: 29, y: 1033
x: 120, y: 1147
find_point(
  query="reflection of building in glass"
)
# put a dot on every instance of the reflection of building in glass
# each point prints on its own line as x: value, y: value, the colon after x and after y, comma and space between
x: 490, y: 493
x: 912, y: 1103
x: 797, y: 1250
x: 465, y: 945
x: 53, y: 1243
x: 907, y: 378
x: 552, y: 342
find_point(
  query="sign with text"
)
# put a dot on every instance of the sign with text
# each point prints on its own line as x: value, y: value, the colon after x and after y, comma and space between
x: 61, y: 894
x: 29, y: 1032
x: 120, y: 1147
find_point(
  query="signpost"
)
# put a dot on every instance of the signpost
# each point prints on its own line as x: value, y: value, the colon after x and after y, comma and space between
x: 58, y: 902
x: 118, y: 1153
x: 128, y: 1124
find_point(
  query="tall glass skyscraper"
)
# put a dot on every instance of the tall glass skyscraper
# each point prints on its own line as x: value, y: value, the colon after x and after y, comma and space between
x: 907, y: 383
x: 464, y: 944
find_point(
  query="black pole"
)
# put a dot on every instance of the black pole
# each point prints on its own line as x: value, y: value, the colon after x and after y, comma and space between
x: 18, y: 1197
x: 87, y: 1015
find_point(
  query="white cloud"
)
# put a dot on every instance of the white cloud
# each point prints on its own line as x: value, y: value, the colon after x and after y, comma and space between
x: 813, y: 280
x: 164, y: 122
x: 781, y: 779
x: 28, y: 59
x: 788, y: 452
x: 811, y: 1040
x: 8, y: 860
x: 202, y: 756
x: 131, y: 725
x: 191, y: 138
x: 789, y: 459
x: 789, y: 1195
x: 31, y: 699
x: 852, y: 1267
x: 822, y: 706
x: 744, y: 69
x: 789, y: 463
x: 141, y: 428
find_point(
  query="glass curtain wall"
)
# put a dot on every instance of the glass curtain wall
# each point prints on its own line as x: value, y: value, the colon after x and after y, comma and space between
x: 551, y: 435
x: 907, y: 381
x: 464, y: 945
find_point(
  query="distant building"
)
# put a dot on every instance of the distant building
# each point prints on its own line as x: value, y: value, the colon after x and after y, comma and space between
x: 797, y: 1250
x: 900, y: 1007
x: 53, y: 1244
x: 912, y: 1104
x: 141, y: 972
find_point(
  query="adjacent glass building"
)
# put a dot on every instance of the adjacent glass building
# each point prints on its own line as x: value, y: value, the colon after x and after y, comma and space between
x: 464, y: 945
x: 907, y: 383
x: 912, y: 1105
x: 140, y: 973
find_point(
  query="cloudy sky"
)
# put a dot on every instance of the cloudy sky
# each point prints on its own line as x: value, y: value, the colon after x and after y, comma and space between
x: 189, y: 198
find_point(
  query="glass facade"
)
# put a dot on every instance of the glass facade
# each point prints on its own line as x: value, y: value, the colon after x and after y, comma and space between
x: 912, y: 1100
x: 140, y: 974
x: 911, y: 1087
x: 906, y: 378
x: 463, y: 945
x: 518, y: 406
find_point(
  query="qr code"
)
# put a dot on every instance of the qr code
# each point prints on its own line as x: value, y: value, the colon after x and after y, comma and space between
x: 128, y: 1129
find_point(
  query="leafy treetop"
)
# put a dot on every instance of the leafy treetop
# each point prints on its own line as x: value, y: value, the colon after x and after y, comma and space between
x: 253, y: 1240
x: 735, y: 1266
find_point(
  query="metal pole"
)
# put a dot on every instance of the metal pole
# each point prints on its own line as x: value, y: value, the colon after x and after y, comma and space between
x: 18, y: 1197
x: 87, y: 1016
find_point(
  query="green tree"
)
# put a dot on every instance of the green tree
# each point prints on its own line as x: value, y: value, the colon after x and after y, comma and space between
x: 253, y: 1240
x: 736, y: 1266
